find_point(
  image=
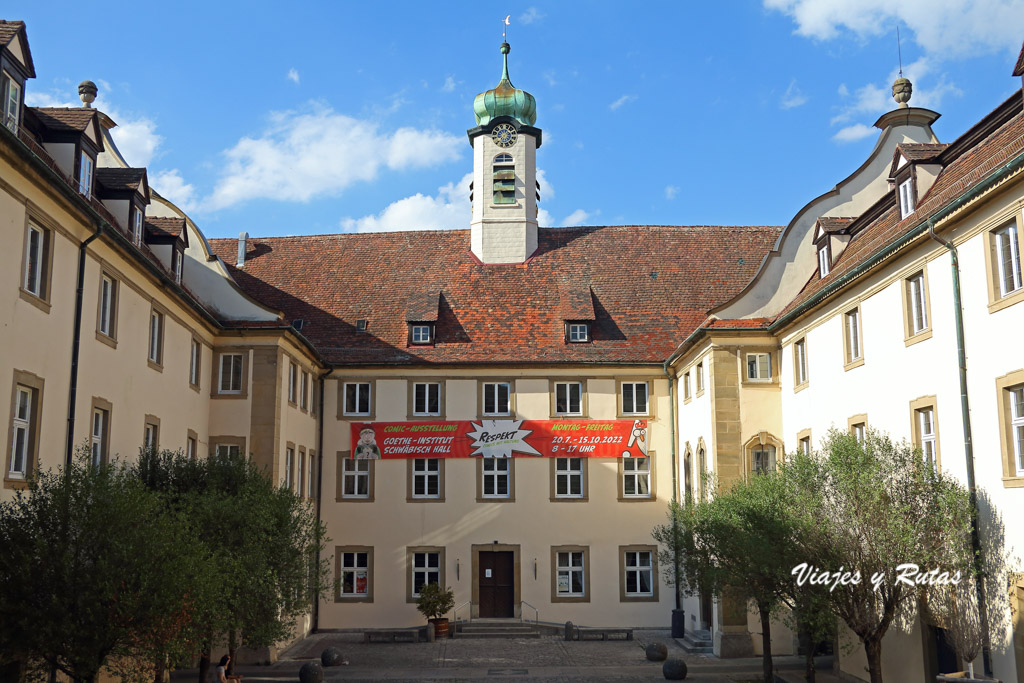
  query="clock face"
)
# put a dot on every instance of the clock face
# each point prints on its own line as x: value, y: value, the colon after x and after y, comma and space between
x: 504, y: 135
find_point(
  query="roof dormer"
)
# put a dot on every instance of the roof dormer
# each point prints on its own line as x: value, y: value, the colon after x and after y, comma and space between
x: 577, y: 308
x: 125, y: 193
x: 913, y: 171
x: 831, y: 235
x: 15, y: 68
x: 421, y: 314
x: 72, y: 138
x: 168, y: 239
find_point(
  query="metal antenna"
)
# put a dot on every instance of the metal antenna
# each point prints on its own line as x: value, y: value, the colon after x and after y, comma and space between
x: 899, y: 49
x: 504, y: 28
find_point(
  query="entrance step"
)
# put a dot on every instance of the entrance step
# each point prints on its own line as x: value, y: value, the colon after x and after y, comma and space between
x: 496, y: 628
x: 697, y: 643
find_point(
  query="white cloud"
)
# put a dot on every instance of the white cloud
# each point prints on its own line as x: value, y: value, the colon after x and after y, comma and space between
x: 843, y: 91
x: 531, y: 15
x: 577, y: 217
x: 448, y: 209
x: 857, y: 131
x: 671, y: 191
x: 293, y: 75
x: 625, y: 99
x: 947, y: 28
x: 549, y: 76
x: 303, y: 155
x: 793, y: 97
x: 449, y: 85
x: 171, y: 185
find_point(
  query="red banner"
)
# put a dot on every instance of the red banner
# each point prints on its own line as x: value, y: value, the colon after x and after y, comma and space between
x: 500, y: 439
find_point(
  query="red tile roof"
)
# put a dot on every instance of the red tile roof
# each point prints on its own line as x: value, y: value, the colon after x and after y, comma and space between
x: 834, y: 224
x: 61, y: 119
x: 120, y: 178
x: 971, y: 166
x: 652, y: 286
x: 9, y: 29
x: 576, y: 303
x: 165, y: 227
x: 422, y: 308
x: 916, y: 151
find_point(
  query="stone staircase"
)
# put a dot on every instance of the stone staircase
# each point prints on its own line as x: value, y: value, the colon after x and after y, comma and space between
x: 696, y: 642
x: 496, y: 628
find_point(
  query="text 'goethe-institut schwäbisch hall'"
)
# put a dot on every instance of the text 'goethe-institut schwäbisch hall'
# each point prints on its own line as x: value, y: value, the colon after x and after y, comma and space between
x: 505, y: 408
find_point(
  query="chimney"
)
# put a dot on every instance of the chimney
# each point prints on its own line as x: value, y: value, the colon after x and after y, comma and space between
x: 243, y: 240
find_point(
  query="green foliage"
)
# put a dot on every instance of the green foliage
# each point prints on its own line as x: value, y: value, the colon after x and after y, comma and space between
x: 435, y: 602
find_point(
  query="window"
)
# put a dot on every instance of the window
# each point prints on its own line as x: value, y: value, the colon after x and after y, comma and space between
x: 638, y: 573
x: 228, y: 450
x: 177, y: 261
x: 496, y: 477
x: 926, y: 436
x: 191, y: 446
x: 85, y: 175
x: 1016, y: 400
x: 568, y: 398
x: 108, y: 305
x: 1010, y: 391
x: 571, y: 581
x: 230, y: 378
x: 138, y: 218
x: 851, y: 337
x: 686, y: 386
x: 304, y: 391
x: 12, y: 102
x: 356, y: 478
x: 301, y: 473
x: 426, y: 569
x: 194, y: 361
x: 420, y: 334
x: 426, y: 398
x: 426, y: 478
x: 1007, y: 248
x: 824, y: 258
x: 578, y: 333
x: 636, y: 477
x: 859, y: 428
x: 37, y: 261
x: 310, y: 475
x: 100, y: 434
x: 759, y: 367
x: 906, y: 198
x: 699, y: 374
x: 634, y: 398
x: 151, y: 434
x: 702, y: 464
x: 569, y: 477
x: 803, y: 439
x: 504, y: 180
x: 496, y: 398
x: 156, y: 337
x: 800, y: 362
x: 916, y: 312
x: 289, y: 463
x: 357, y: 398
x: 762, y: 458
x: 24, y: 423
x: 355, y: 573
x: 293, y: 376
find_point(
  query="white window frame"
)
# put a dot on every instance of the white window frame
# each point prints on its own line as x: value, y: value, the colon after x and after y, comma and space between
x: 860, y: 432
x: 421, y: 404
x: 355, y: 474
x: 804, y: 446
x: 226, y: 382
x: 423, y: 573
x: 631, y: 392
x: 362, y: 389
x: 309, y: 475
x: 293, y: 381
x: 493, y: 399
x: 425, y: 471
x: 851, y: 328
x: 493, y: 472
x: 686, y: 386
x: 300, y: 473
x: 639, y: 569
x: 85, y: 173
x: 571, y: 563
x: 564, y: 397
x: 579, y: 333
x: 36, y: 260
x: 800, y: 353
x: 763, y: 458
x: 699, y: 374
x: 156, y: 336
x: 1017, y: 426
x: 917, y: 305
x: 420, y: 334
x: 138, y: 221
x: 151, y: 436
x: 289, y: 463
x: 304, y: 391
x: 108, y: 303
x: 230, y: 450
x: 352, y: 563
x: 191, y: 448
x: 194, y: 360
x: 567, y: 472
x: 824, y: 259
x: 1008, y: 265
x: 907, y: 204
x: 926, y: 430
x: 12, y: 102
x: 21, y: 427
x: 637, y: 471
x: 97, y: 440
x: 177, y: 261
x: 761, y: 370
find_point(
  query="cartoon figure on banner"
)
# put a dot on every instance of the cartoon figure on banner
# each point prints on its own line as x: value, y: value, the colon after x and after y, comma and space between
x: 637, y: 436
x: 366, y: 448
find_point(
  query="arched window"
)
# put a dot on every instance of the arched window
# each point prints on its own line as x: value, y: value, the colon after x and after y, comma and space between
x: 702, y: 471
x: 504, y: 179
x: 688, y: 475
x: 762, y: 453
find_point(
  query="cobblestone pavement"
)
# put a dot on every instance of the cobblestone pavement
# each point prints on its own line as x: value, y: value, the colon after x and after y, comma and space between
x: 548, y: 659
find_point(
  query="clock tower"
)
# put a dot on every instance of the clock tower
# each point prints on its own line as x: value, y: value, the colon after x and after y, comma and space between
x: 505, y: 191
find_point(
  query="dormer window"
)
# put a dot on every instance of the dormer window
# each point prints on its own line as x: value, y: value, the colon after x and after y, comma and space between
x: 421, y: 334
x: 578, y: 333
x: 824, y: 258
x: 177, y: 263
x: 906, y: 198
x: 138, y: 216
x: 11, y: 91
x: 504, y: 179
x: 85, y: 169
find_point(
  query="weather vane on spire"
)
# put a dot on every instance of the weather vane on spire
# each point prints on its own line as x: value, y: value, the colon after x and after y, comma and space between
x: 504, y: 28
x: 899, y: 49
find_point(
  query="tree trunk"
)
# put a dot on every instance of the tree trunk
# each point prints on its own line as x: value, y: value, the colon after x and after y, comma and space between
x: 158, y: 672
x: 873, y: 649
x: 766, y: 644
x: 204, y: 663
x: 808, y: 644
x: 232, y: 646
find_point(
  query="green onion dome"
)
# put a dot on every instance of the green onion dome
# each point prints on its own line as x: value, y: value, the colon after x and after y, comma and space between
x: 505, y: 100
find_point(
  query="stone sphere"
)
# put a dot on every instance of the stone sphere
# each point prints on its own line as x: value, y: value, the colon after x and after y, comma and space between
x: 332, y: 657
x: 311, y: 672
x: 674, y: 669
x: 657, y: 652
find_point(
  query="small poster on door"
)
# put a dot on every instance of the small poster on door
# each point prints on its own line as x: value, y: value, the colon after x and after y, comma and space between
x: 487, y: 573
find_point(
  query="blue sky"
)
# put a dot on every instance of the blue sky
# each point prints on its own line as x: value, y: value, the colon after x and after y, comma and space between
x: 331, y: 117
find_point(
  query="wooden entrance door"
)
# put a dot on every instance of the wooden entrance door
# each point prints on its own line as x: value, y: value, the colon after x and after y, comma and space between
x: 497, y: 585
x: 706, y: 610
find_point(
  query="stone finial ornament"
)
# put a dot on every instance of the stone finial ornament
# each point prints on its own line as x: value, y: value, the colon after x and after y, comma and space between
x: 901, y: 91
x: 87, y: 91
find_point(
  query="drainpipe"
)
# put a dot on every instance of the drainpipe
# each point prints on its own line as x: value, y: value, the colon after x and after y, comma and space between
x: 965, y: 409
x: 319, y: 484
x: 675, y: 475
x: 76, y: 342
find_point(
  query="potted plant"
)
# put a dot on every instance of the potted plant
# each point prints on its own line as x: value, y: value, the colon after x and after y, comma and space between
x: 434, y: 602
